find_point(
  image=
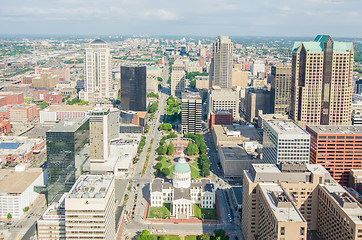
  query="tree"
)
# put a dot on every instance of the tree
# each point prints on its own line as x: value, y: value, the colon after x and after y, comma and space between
x: 170, y: 149
x: 145, y: 235
x: 204, y: 237
x: 43, y: 105
x: 162, y: 150
x: 158, y: 166
x: 26, y: 209
x: 9, y: 216
x: 220, y: 234
x: 191, y: 149
x: 159, y: 158
x: 203, y: 149
x: 165, y: 171
x: 166, y: 126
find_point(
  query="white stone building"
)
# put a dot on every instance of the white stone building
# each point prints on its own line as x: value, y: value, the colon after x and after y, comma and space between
x: 17, y: 189
x: 183, y: 192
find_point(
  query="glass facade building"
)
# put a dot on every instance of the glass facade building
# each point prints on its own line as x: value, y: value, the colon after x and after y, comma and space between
x: 64, y: 142
x: 133, y: 88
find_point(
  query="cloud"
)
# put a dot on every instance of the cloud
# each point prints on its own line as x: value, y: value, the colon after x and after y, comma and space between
x: 285, y: 8
x: 161, y: 14
x: 334, y: 2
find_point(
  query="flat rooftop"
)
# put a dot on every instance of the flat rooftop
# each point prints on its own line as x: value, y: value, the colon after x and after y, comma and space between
x: 347, y: 203
x: 249, y: 133
x: 16, y: 182
x: 70, y: 108
x: 324, y: 129
x: 68, y: 125
x: 266, y: 168
x: 286, y: 127
x: 281, y: 206
x: 91, y: 186
x: 235, y: 153
x: 191, y: 95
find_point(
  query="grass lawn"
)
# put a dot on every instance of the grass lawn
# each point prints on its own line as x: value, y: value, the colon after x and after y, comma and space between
x: 171, y: 171
x: 205, y: 213
x: 27, y: 99
x: 190, y: 237
x: 165, y: 163
x: 159, y: 212
x: 195, y: 173
x: 167, y: 237
x: 195, y: 164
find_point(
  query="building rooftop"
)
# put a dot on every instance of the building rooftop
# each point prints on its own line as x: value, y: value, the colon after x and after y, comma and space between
x: 191, y: 95
x: 68, y: 125
x: 280, y: 203
x: 286, y: 127
x: 347, y: 203
x: 91, y: 186
x: 338, y: 129
x: 237, y: 132
x: 235, y: 154
x: 16, y: 182
x: 317, y: 46
x: 70, y: 108
x: 98, y: 41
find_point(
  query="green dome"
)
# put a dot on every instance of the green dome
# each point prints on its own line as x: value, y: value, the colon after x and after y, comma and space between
x: 182, y: 167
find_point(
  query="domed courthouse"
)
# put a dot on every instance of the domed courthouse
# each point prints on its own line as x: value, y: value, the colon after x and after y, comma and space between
x: 183, y: 192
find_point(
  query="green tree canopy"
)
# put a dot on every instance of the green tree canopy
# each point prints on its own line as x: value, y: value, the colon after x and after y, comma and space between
x: 165, y: 171
x: 170, y: 149
x: 162, y: 149
x: 158, y: 166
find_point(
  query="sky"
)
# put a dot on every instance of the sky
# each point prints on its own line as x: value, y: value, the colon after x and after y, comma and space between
x: 338, y: 18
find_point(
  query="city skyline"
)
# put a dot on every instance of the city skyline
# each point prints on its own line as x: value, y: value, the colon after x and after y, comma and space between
x: 201, y: 18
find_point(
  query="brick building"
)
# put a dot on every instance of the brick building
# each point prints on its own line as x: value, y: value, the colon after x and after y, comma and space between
x: 337, y: 148
x: 220, y: 118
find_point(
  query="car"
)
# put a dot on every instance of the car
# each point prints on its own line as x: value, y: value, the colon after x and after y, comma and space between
x: 138, y: 185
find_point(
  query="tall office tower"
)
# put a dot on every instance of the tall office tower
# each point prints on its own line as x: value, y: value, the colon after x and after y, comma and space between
x: 178, y: 78
x: 133, y: 88
x: 257, y: 100
x: 297, y: 201
x: 285, y: 141
x: 224, y: 99
x: 104, y: 126
x: 222, y: 63
x: 90, y: 208
x: 191, y: 112
x: 281, y: 77
x: 98, y: 73
x: 337, y: 148
x: 321, y: 89
x: 64, y: 143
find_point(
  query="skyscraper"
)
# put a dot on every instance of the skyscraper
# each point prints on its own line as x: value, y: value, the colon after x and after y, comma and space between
x: 98, y: 73
x: 222, y: 63
x: 321, y: 90
x: 281, y: 76
x: 64, y: 142
x: 133, y: 88
x: 191, y: 112
x: 178, y: 79
x: 104, y: 126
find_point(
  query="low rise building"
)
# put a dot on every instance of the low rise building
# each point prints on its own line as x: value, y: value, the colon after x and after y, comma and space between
x: 10, y: 98
x: 19, y: 149
x: 182, y: 193
x: 55, y: 113
x: 234, y: 160
x: 17, y: 189
x: 47, y: 96
x: 23, y: 113
x: 234, y: 135
x: 220, y: 118
x: 45, y: 80
x: 202, y: 82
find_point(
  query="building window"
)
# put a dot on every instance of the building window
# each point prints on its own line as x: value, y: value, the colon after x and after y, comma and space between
x: 282, y: 231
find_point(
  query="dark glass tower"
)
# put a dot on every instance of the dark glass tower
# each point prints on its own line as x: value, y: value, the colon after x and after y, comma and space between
x: 133, y: 88
x: 64, y: 162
